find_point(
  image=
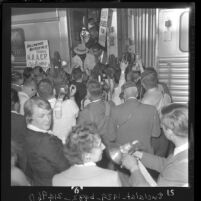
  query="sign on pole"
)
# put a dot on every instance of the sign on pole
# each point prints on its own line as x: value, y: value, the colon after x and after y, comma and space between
x: 103, y: 26
x: 37, y: 54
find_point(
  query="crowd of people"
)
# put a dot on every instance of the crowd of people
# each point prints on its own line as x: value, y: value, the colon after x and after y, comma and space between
x: 64, y: 122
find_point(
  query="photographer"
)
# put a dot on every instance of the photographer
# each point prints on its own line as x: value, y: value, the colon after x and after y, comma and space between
x: 96, y: 112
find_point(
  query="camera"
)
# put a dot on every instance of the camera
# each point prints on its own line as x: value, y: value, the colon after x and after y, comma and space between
x: 116, y: 153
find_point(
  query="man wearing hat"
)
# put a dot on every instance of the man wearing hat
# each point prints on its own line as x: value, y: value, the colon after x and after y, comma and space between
x: 133, y: 120
x: 83, y: 58
x: 158, y: 98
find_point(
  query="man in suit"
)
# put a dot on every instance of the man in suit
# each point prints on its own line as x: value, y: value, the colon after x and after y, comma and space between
x: 174, y: 169
x: 18, y: 128
x: 99, y: 53
x: 81, y: 90
x: 133, y: 120
x: 44, y: 151
x: 97, y: 112
x: 157, y: 97
x: 83, y: 59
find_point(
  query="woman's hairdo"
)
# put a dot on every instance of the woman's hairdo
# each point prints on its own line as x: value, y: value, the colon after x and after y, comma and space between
x: 175, y: 117
x: 82, y: 139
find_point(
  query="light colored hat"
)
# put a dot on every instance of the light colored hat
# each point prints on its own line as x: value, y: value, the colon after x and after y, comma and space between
x: 81, y: 49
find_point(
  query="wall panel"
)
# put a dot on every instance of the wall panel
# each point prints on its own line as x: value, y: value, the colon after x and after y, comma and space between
x: 143, y: 34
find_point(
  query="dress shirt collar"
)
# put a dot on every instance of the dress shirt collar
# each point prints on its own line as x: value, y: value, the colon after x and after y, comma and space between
x: 13, y: 111
x: 52, y: 99
x: 139, y: 78
x: 95, y: 101
x: 23, y: 93
x: 17, y: 85
x: 34, y: 128
x: 181, y: 148
x: 86, y: 164
x: 52, y: 102
x: 130, y: 98
x: 152, y: 89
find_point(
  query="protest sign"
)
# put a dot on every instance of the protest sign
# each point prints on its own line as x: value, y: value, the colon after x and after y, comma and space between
x: 37, y: 54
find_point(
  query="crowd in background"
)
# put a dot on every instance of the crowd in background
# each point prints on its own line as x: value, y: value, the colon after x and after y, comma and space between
x: 64, y: 122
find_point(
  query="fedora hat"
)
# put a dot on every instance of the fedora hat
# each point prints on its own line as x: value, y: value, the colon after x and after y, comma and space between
x: 81, y: 49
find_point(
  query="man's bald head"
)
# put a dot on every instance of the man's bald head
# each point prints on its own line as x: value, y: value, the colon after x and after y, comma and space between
x: 130, y: 92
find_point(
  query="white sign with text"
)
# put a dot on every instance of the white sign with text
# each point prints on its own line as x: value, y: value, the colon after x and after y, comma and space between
x: 37, y: 53
x: 103, y: 26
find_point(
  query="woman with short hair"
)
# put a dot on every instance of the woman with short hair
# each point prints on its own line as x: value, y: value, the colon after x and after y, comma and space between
x: 83, y: 150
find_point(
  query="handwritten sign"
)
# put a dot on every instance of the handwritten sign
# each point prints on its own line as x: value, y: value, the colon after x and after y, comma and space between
x: 103, y: 26
x: 80, y: 196
x: 37, y: 53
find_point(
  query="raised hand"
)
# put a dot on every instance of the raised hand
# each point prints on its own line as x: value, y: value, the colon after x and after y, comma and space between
x: 123, y: 65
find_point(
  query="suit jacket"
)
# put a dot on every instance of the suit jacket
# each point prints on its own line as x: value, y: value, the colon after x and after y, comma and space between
x: 81, y: 92
x: 18, y: 132
x: 18, y: 127
x: 89, y: 62
x: 95, y: 110
x: 133, y: 120
x: 45, y: 157
x: 173, y: 170
x: 87, y: 176
x: 140, y: 89
x: 23, y: 97
x: 152, y: 97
